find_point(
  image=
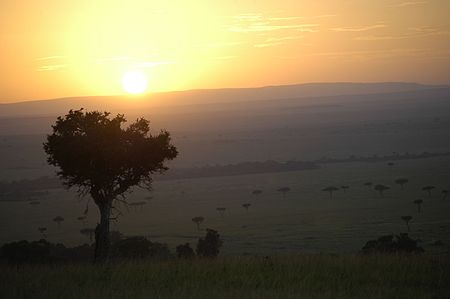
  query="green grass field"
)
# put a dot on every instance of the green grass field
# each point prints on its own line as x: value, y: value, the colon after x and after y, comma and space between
x: 284, y: 276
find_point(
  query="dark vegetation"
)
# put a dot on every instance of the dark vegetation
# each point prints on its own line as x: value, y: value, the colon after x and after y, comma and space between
x: 122, y: 248
x: 95, y: 155
x: 401, y: 243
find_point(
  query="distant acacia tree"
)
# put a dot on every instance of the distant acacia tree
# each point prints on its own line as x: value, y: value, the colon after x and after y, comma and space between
x: 345, y: 188
x: 42, y: 230
x: 58, y: 219
x: 246, y: 206
x: 428, y: 189
x: 284, y: 190
x: 381, y: 188
x: 256, y: 193
x: 407, y: 219
x: 221, y: 211
x: 368, y: 184
x: 198, y: 220
x: 100, y: 158
x: 445, y: 193
x: 401, y: 182
x: 331, y: 190
x: 418, y: 202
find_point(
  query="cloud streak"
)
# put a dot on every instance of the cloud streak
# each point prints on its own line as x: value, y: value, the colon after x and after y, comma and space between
x: 358, y: 29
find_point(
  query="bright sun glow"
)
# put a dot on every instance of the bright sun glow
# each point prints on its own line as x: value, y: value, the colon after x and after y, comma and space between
x: 134, y: 82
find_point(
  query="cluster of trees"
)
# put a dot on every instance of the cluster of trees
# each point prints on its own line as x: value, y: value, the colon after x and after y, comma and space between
x: 44, y: 252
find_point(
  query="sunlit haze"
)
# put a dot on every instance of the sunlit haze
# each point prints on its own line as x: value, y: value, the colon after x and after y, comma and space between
x: 70, y: 48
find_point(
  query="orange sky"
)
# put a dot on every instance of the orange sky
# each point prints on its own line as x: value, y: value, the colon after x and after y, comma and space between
x: 57, y: 48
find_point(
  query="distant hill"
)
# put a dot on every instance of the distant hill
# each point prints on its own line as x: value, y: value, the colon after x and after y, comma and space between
x: 168, y: 100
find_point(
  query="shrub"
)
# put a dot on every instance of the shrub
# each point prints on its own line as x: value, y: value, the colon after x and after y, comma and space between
x: 387, y: 244
x: 185, y: 251
x: 210, y: 245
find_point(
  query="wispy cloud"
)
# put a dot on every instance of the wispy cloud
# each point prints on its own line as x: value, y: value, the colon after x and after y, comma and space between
x: 49, y: 58
x: 414, y: 32
x: 358, y: 29
x: 151, y: 64
x: 53, y: 67
x: 384, y: 54
x: 409, y: 3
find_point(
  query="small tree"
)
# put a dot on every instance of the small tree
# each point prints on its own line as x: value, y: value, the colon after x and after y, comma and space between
x: 198, y: 220
x: 42, y: 230
x: 368, y: 184
x: 401, y: 182
x: 330, y: 189
x: 246, y: 206
x: 428, y: 189
x: 210, y: 245
x: 284, y: 190
x: 345, y: 188
x: 445, y: 194
x: 221, y: 211
x: 407, y: 219
x: 185, y: 251
x: 58, y: 220
x: 256, y: 193
x: 100, y: 158
x: 418, y: 202
x: 381, y: 188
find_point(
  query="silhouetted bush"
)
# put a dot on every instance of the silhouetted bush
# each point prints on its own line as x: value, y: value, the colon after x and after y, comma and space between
x: 387, y: 244
x: 43, y: 252
x: 185, y: 251
x: 210, y: 245
x: 140, y: 247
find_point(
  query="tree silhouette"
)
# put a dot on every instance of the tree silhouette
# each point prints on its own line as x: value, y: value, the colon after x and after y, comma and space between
x: 58, y: 220
x: 445, y: 194
x: 42, y: 230
x: 210, y: 245
x: 418, y: 202
x: 221, y: 211
x: 381, y: 188
x: 256, y: 193
x: 198, y: 220
x: 34, y: 202
x: 368, y: 184
x: 284, y: 190
x: 390, y: 164
x: 401, y: 182
x: 428, y: 189
x: 407, y: 219
x: 246, y: 206
x: 100, y: 158
x: 330, y: 189
x: 345, y: 188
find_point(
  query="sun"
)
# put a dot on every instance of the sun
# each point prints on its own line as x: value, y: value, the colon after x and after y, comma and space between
x: 134, y: 82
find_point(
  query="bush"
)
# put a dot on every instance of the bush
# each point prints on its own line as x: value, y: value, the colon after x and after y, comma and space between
x: 210, y: 245
x: 386, y: 244
x: 140, y: 247
x: 185, y: 251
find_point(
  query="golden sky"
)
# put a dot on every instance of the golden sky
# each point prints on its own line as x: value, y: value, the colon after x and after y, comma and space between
x: 57, y: 48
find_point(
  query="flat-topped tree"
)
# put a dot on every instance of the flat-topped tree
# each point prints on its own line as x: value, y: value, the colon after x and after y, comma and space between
x: 221, y: 211
x: 284, y: 190
x: 198, y: 220
x: 246, y: 206
x: 428, y: 189
x: 42, y: 230
x: 418, y: 202
x: 345, y: 188
x: 256, y: 193
x: 402, y: 182
x: 58, y: 220
x: 407, y: 219
x: 331, y: 190
x: 368, y: 184
x: 381, y: 188
x: 445, y: 193
x: 98, y: 157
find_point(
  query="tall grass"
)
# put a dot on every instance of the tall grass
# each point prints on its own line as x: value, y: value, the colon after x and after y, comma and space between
x: 293, y: 276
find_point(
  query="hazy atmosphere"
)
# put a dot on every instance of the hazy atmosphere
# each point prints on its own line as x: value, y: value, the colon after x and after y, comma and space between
x: 293, y: 149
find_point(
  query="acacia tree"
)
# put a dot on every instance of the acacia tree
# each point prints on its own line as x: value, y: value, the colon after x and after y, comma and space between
x: 98, y: 157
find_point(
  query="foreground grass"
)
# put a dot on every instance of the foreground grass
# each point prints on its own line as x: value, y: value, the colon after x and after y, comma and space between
x: 293, y: 276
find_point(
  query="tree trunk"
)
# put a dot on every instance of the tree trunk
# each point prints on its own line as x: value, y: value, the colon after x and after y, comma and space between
x: 102, y: 234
